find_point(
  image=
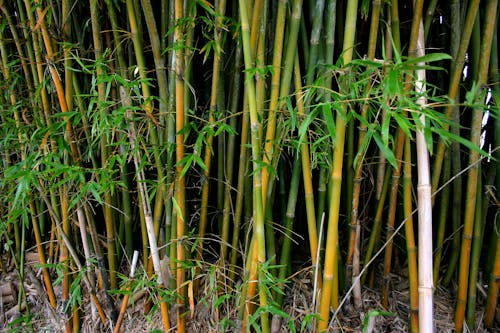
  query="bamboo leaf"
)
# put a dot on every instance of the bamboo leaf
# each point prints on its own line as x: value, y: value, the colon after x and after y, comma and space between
x: 429, y: 57
x: 384, y: 148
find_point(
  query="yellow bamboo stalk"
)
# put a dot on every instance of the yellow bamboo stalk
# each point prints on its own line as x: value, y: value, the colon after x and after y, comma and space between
x: 307, y: 178
x: 179, y: 153
x: 329, y: 294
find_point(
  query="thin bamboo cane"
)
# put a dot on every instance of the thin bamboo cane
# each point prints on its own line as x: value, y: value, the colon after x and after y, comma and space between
x: 179, y: 153
x: 258, y: 215
x: 489, y: 24
x: 329, y: 45
x: 126, y: 199
x: 391, y: 216
x: 20, y: 136
x: 238, y: 210
x: 477, y: 240
x: 494, y: 281
x: 144, y: 198
x: 161, y: 76
x: 41, y: 257
x: 411, y: 248
x: 216, y: 87
x: 108, y: 212
x: 493, y: 288
x: 126, y: 297
x: 71, y: 250
x: 355, y: 233
x: 284, y: 85
x: 231, y: 145
x: 377, y: 222
x: 64, y: 257
x: 429, y: 17
x: 329, y: 294
x: 307, y: 180
x: 456, y: 160
x: 443, y: 219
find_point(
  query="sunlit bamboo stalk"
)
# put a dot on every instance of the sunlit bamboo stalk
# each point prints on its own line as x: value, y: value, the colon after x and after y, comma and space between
x: 180, y: 191
x: 330, y: 275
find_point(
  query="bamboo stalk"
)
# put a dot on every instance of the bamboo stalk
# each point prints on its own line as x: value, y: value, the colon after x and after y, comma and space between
x: 470, y: 206
x: 425, y: 279
x: 258, y: 215
x: 453, y: 89
x: 330, y: 274
x: 284, y: 85
x: 443, y: 219
x: 477, y: 240
x: 391, y: 216
x: 216, y: 87
x: 307, y: 180
x: 179, y: 153
x: 411, y: 248
x: 144, y: 198
x: 126, y: 297
x: 355, y: 234
x: 494, y: 280
x: 108, y: 212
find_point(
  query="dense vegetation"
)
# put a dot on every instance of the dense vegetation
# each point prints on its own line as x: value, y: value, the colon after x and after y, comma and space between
x: 237, y: 145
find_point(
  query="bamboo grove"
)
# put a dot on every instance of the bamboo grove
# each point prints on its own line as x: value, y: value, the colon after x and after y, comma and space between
x: 237, y: 145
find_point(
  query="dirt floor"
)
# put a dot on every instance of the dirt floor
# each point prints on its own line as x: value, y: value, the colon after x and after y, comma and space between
x: 298, y: 305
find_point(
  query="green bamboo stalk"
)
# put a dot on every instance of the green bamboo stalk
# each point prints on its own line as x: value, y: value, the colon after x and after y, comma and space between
x: 429, y: 17
x: 317, y: 23
x: 329, y: 294
x: 231, y: 148
x: 477, y: 240
x: 258, y: 215
x: 494, y: 279
x: 456, y: 161
x: 456, y: 74
x: 411, y: 248
x: 161, y: 78
x: 391, y: 216
x: 470, y: 206
x: 330, y: 25
x: 108, y: 211
x: 442, y: 218
x: 242, y: 176
x: 307, y: 179
x: 126, y: 199
x: 377, y: 222
x: 277, y: 102
x: 216, y: 87
x: 288, y: 228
